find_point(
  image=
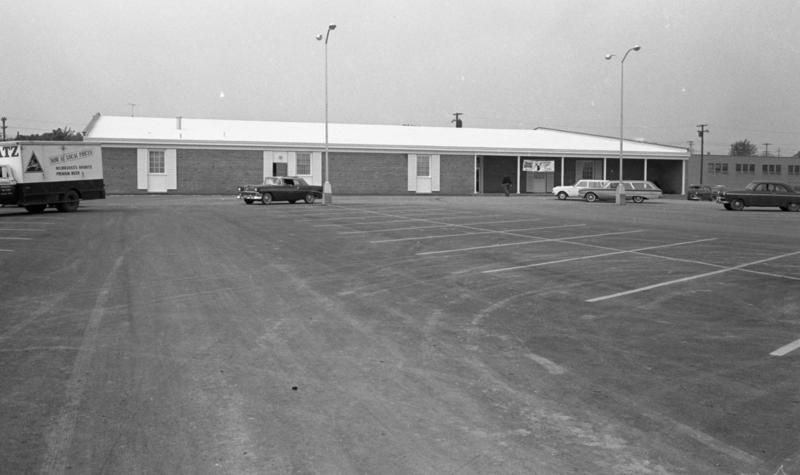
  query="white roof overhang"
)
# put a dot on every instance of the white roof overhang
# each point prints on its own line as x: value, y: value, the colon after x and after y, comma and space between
x: 221, y: 134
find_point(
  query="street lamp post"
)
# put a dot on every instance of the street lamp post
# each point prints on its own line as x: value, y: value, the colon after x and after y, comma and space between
x: 620, y: 187
x: 327, y: 189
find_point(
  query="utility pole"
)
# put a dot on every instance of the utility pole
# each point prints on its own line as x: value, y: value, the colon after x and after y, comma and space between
x: 4, y: 128
x: 766, y: 149
x: 691, y: 146
x: 701, y: 133
x: 457, y: 120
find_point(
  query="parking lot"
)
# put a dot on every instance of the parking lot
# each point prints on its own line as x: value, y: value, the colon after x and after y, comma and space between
x: 184, y: 334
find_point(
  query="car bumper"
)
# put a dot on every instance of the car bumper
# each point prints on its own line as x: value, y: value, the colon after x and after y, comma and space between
x: 249, y: 195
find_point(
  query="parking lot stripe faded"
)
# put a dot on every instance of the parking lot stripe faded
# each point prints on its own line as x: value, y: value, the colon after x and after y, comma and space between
x: 786, y: 349
x: 691, y: 277
x: 439, y: 225
x: 473, y: 233
x: 605, y: 254
x: 521, y: 243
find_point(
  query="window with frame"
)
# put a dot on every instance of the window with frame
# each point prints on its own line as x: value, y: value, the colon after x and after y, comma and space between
x: 303, y: 163
x: 718, y: 168
x: 588, y: 170
x: 423, y: 165
x: 794, y: 169
x: 771, y: 169
x: 156, y: 161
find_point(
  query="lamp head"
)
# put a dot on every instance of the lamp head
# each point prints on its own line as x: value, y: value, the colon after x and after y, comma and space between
x: 609, y: 56
x: 636, y: 48
x: 318, y: 37
x: 332, y: 26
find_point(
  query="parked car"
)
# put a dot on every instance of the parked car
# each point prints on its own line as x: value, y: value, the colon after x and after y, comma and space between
x: 573, y: 191
x: 699, y: 193
x: 762, y: 193
x: 704, y: 192
x: 635, y: 190
x: 280, y: 188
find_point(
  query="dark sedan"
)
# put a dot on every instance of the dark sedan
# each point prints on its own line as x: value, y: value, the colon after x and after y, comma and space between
x: 762, y: 193
x: 280, y: 188
x: 699, y: 193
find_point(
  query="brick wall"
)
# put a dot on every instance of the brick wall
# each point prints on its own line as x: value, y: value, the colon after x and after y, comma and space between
x: 203, y: 171
x: 217, y: 172
x: 368, y: 173
x: 457, y: 174
x: 119, y: 170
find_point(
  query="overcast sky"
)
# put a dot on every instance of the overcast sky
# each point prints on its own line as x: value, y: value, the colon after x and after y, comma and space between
x: 732, y: 64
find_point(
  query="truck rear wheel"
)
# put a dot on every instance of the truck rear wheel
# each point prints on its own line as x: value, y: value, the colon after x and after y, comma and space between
x: 71, y: 202
x: 36, y: 209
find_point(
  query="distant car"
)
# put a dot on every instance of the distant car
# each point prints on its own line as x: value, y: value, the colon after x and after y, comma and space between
x: 635, y: 190
x: 762, y: 193
x: 699, y: 193
x: 573, y: 191
x: 280, y: 188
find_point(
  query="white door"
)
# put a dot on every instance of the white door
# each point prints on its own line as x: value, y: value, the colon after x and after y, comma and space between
x: 156, y: 172
x: 424, y: 174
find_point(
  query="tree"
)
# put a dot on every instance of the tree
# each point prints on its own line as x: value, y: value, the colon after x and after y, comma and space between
x: 743, y: 148
x: 59, y: 134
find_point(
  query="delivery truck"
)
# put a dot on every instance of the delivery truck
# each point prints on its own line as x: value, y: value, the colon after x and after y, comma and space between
x: 35, y: 175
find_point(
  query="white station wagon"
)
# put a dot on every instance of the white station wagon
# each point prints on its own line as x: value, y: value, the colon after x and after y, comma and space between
x: 635, y: 190
x: 574, y: 191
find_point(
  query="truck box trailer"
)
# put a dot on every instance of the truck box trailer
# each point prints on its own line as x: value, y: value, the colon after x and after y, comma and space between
x: 35, y: 175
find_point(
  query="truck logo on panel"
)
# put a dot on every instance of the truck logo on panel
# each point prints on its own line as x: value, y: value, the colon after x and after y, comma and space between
x: 33, y: 165
x: 7, y: 151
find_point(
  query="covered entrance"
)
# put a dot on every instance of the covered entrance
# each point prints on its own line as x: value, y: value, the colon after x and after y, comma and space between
x: 527, y: 174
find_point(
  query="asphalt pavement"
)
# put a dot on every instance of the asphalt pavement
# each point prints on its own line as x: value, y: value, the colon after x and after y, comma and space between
x: 397, y: 335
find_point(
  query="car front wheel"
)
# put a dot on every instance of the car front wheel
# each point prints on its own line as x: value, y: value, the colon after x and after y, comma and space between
x: 737, y: 205
x: 310, y: 198
x: 637, y: 199
x: 266, y: 198
x: 562, y: 195
x: 794, y: 207
x: 591, y: 197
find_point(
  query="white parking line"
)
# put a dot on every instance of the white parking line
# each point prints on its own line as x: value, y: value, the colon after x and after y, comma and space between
x: 691, y: 277
x: 786, y: 349
x: 442, y: 225
x: 3, y: 222
x: 418, y: 238
x: 520, y: 243
x: 15, y: 238
x: 606, y: 254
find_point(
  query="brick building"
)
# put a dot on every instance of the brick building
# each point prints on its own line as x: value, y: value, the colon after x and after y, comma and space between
x: 735, y: 171
x: 200, y: 156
